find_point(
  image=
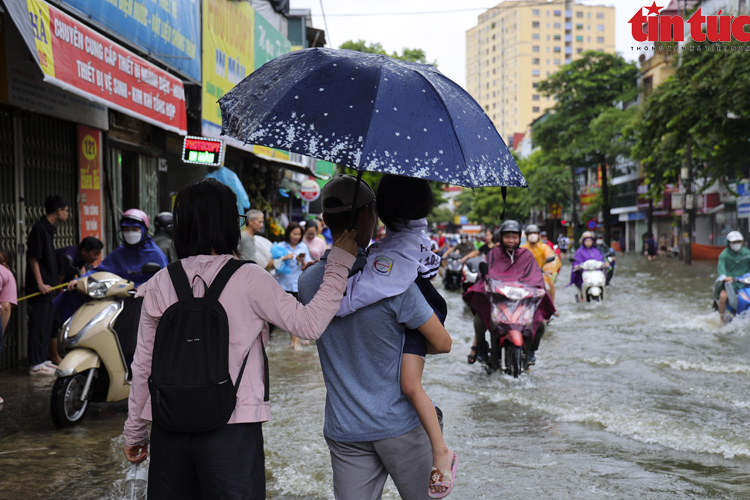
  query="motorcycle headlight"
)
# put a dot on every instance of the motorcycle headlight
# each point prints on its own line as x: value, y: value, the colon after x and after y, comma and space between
x: 98, y: 289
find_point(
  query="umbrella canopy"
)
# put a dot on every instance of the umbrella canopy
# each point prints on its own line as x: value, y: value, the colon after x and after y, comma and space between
x: 370, y: 112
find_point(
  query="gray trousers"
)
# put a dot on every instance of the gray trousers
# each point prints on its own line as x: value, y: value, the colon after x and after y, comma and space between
x: 361, y: 468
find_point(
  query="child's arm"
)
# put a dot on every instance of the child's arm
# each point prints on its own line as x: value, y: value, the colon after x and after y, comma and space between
x: 438, y: 338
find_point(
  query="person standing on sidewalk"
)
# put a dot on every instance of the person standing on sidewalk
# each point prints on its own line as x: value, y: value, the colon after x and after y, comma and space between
x: 41, y: 276
x: 8, y: 297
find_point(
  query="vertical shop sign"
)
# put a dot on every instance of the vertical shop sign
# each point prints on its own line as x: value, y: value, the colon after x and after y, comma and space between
x: 227, y: 56
x: 89, y: 168
x: 269, y: 43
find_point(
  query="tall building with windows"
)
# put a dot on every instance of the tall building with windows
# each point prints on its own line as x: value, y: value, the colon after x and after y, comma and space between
x: 516, y: 44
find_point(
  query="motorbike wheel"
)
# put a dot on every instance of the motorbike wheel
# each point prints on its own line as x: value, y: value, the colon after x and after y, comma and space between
x: 513, y: 361
x: 596, y: 298
x: 66, y: 407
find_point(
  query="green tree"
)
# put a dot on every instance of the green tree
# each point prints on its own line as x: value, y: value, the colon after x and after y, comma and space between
x: 411, y: 55
x: 582, y: 89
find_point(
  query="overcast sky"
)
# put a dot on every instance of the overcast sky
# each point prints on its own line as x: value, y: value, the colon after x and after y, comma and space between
x: 436, y: 26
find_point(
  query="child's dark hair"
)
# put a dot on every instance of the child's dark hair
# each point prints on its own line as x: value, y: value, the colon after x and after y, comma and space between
x: 402, y: 199
x: 206, y: 219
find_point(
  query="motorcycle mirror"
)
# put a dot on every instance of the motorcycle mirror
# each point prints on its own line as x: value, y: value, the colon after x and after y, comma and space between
x: 150, y: 268
x: 66, y: 261
x: 551, y: 258
x: 483, y: 268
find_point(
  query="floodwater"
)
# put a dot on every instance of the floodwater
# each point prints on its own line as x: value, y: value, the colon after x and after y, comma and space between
x: 642, y: 396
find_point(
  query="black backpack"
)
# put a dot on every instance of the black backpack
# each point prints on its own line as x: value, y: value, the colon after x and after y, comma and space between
x: 190, y: 386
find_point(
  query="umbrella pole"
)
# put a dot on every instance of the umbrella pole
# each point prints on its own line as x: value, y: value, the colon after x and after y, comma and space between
x: 354, y: 199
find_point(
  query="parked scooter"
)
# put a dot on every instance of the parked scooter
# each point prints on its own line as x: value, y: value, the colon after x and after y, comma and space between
x: 738, y: 303
x: 594, y: 280
x: 100, y: 341
x: 452, y: 277
x: 513, y: 306
x: 470, y: 272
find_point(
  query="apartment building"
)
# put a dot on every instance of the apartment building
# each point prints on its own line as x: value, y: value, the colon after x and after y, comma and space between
x: 517, y: 44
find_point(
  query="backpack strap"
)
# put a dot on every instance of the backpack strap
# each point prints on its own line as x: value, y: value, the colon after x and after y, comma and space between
x: 214, y: 291
x: 180, y: 281
x: 218, y: 284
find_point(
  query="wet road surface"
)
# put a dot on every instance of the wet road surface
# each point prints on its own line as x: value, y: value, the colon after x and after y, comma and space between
x: 642, y: 396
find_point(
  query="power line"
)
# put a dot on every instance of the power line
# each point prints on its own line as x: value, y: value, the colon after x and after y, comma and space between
x: 325, y: 23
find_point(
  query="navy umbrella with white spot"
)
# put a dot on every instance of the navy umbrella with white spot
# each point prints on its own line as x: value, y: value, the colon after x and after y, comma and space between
x: 370, y: 112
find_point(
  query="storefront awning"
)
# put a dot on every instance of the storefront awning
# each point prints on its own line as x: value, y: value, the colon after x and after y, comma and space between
x: 78, y: 59
x: 294, y: 167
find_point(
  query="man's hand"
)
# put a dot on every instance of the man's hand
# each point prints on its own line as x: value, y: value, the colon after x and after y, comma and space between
x: 728, y: 279
x: 72, y: 285
x: 136, y: 454
x: 44, y: 289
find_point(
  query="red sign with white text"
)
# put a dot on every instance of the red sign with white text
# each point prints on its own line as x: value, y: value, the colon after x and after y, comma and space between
x: 89, y: 181
x: 81, y: 61
x: 672, y: 28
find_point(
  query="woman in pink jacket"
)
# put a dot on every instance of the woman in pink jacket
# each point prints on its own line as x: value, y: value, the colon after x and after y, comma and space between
x: 227, y: 462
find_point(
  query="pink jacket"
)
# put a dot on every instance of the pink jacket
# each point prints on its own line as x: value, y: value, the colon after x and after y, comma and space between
x: 250, y: 298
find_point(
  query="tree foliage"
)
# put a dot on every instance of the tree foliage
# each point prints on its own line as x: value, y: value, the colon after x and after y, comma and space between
x: 704, y: 104
x: 411, y: 55
x: 582, y: 90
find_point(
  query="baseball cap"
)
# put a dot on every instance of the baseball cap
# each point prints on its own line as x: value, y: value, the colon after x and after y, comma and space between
x: 338, y: 193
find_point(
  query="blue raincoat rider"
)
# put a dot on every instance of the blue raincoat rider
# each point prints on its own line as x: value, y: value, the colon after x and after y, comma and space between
x: 125, y: 261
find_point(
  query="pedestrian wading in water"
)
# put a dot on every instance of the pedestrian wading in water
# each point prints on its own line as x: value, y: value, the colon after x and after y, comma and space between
x: 227, y: 462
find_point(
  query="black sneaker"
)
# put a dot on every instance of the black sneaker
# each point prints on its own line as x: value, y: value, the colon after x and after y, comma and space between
x: 482, y: 351
x: 532, y: 359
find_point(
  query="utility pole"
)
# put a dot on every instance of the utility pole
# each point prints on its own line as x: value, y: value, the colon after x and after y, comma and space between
x: 688, y: 206
x: 574, y: 203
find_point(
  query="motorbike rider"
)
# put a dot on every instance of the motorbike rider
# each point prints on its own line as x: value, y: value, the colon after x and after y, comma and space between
x: 734, y: 261
x: 125, y: 261
x: 163, y: 235
x: 587, y: 251
x: 609, y: 254
x: 507, y: 261
x: 541, y: 253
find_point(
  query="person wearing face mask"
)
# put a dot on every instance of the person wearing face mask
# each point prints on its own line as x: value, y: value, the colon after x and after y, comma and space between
x: 508, y: 261
x: 541, y: 252
x: 587, y: 251
x: 734, y: 261
x: 125, y: 261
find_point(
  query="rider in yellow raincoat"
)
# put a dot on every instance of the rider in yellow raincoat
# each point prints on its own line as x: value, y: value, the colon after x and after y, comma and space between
x: 542, y: 252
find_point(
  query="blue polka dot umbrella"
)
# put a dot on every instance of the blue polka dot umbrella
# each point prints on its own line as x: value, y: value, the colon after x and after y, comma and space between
x: 370, y: 112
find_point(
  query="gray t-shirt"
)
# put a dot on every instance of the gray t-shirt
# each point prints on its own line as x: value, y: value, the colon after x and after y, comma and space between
x: 247, y: 247
x: 361, y: 359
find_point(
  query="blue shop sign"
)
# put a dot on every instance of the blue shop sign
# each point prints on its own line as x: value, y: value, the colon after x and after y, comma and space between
x: 743, y: 201
x: 167, y: 30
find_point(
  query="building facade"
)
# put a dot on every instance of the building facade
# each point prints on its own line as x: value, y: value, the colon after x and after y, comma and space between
x: 517, y: 44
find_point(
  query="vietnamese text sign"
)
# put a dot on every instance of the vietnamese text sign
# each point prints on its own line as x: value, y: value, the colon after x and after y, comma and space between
x: 167, y: 29
x: 81, y: 61
x: 269, y: 43
x: 21, y: 85
x: 203, y: 151
x: 227, y: 55
x: 89, y: 168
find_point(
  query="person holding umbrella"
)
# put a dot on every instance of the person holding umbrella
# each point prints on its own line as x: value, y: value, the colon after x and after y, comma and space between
x: 401, y: 258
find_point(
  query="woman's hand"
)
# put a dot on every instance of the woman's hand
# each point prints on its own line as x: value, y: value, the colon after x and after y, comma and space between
x: 136, y: 454
x: 346, y: 242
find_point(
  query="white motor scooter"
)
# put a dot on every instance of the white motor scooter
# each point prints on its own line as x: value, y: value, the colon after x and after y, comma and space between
x: 594, y: 280
x: 95, y: 367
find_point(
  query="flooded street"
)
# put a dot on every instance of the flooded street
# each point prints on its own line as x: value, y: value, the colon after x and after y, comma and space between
x: 642, y: 396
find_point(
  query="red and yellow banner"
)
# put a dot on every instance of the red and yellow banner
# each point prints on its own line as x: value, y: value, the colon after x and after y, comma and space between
x: 89, y: 168
x: 81, y: 61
